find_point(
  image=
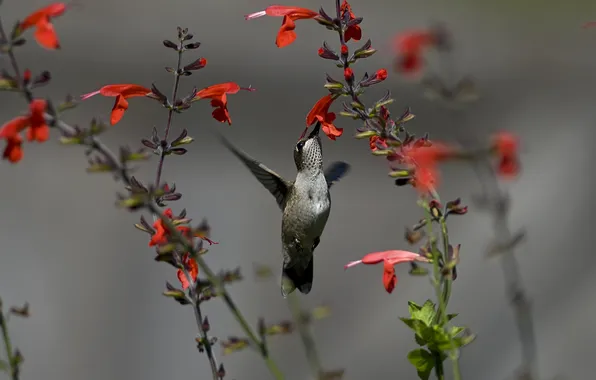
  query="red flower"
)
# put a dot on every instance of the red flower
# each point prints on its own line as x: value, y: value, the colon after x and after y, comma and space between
x: 506, y: 146
x: 377, y: 141
x: 344, y: 49
x: 389, y: 259
x: 45, y: 35
x: 424, y: 160
x: 121, y: 92
x: 13, y: 151
x: 191, y: 266
x: 38, y: 130
x: 348, y: 74
x: 409, y: 47
x: 320, y: 112
x: 290, y: 14
x: 219, y: 100
x: 354, y: 32
x: 162, y: 234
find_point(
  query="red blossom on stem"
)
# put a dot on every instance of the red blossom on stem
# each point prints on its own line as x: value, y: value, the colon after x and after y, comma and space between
x: 424, y: 159
x: 320, y: 112
x: 389, y: 260
x: 506, y: 146
x: 290, y: 14
x: 37, y: 130
x: 353, y: 32
x: 44, y: 34
x: 191, y: 266
x: 121, y: 92
x: 218, y: 95
x: 161, y: 235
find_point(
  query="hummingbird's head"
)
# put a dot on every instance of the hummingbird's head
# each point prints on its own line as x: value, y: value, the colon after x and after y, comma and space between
x: 308, y: 153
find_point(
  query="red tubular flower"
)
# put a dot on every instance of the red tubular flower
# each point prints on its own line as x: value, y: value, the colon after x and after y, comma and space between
x: 344, y: 49
x: 381, y: 74
x: 290, y: 14
x: 348, y: 74
x: 121, y: 92
x: 218, y: 95
x: 37, y: 130
x: 320, y: 112
x: 389, y: 260
x: 506, y: 146
x: 191, y: 266
x: 45, y: 35
x: 409, y: 47
x: 354, y: 32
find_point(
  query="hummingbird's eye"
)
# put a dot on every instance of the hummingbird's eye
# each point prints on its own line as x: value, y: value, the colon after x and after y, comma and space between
x: 300, y: 145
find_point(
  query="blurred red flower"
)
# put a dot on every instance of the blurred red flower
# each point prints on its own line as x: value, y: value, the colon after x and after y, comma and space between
x: 191, y: 266
x: 38, y: 130
x: 389, y: 260
x: 506, y: 146
x: 320, y: 112
x: 409, y: 47
x: 377, y: 142
x: 45, y: 35
x: 121, y: 92
x: 290, y: 14
x: 353, y: 32
x: 424, y: 159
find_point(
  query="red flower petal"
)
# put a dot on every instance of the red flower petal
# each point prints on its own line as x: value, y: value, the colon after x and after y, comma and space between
x: 286, y: 34
x: 393, y: 256
x: 14, y: 127
x: 321, y: 107
x: 120, y: 106
x: 389, y: 277
x: 13, y: 151
x: 45, y: 35
x: 50, y: 11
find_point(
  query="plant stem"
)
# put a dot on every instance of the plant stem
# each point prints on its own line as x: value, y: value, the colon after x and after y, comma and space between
x: 11, y: 359
x: 170, y: 114
x: 308, y: 341
x: 123, y: 173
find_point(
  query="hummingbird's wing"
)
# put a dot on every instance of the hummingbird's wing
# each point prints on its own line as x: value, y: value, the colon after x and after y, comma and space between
x: 335, y: 171
x: 272, y: 181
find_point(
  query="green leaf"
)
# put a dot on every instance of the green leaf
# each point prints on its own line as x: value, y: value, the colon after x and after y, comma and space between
x: 4, y: 365
x: 423, y: 361
x: 451, y: 316
x: 455, y: 331
x: 427, y: 313
x: 423, y: 332
x: 413, y: 307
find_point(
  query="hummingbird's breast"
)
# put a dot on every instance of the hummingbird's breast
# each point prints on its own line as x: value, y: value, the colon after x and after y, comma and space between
x: 306, y: 212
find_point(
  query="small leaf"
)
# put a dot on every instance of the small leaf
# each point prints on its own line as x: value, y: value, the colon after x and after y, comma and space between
x: 413, y: 308
x: 176, y: 294
x: 22, y: 311
x: 234, y: 344
x: 456, y: 330
x: 423, y: 361
x: 451, y: 316
x: 427, y: 312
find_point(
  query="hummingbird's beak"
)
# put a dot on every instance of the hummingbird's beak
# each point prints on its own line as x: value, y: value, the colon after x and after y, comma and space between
x: 315, y: 131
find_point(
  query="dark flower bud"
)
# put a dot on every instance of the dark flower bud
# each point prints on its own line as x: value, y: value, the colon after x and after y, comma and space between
x: 326, y: 53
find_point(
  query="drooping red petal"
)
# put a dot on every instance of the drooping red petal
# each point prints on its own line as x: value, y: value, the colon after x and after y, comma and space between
x: 45, y: 35
x: 286, y: 34
x: 13, y: 151
x: 120, y: 106
x: 389, y: 277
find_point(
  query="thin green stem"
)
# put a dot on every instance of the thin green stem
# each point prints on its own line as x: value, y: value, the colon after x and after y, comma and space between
x: 308, y: 341
x: 10, y: 356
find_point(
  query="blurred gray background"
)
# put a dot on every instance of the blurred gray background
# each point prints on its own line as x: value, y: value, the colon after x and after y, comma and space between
x: 90, y: 278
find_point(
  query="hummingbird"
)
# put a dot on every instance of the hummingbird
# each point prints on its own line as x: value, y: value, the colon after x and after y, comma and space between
x: 305, y: 204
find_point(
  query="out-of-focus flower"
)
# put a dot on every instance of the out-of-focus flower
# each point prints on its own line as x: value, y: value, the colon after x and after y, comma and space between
x: 121, y: 92
x: 409, y: 47
x: 377, y: 142
x: 290, y: 14
x: 389, y: 260
x: 424, y: 160
x: 506, y: 146
x: 37, y: 130
x: 45, y: 35
x: 320, y: 112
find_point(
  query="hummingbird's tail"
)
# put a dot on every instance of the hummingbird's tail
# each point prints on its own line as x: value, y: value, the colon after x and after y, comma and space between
x: 296, y: 277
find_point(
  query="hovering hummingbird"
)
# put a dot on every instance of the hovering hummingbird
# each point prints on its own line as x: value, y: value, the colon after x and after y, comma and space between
x: 305, y: 204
